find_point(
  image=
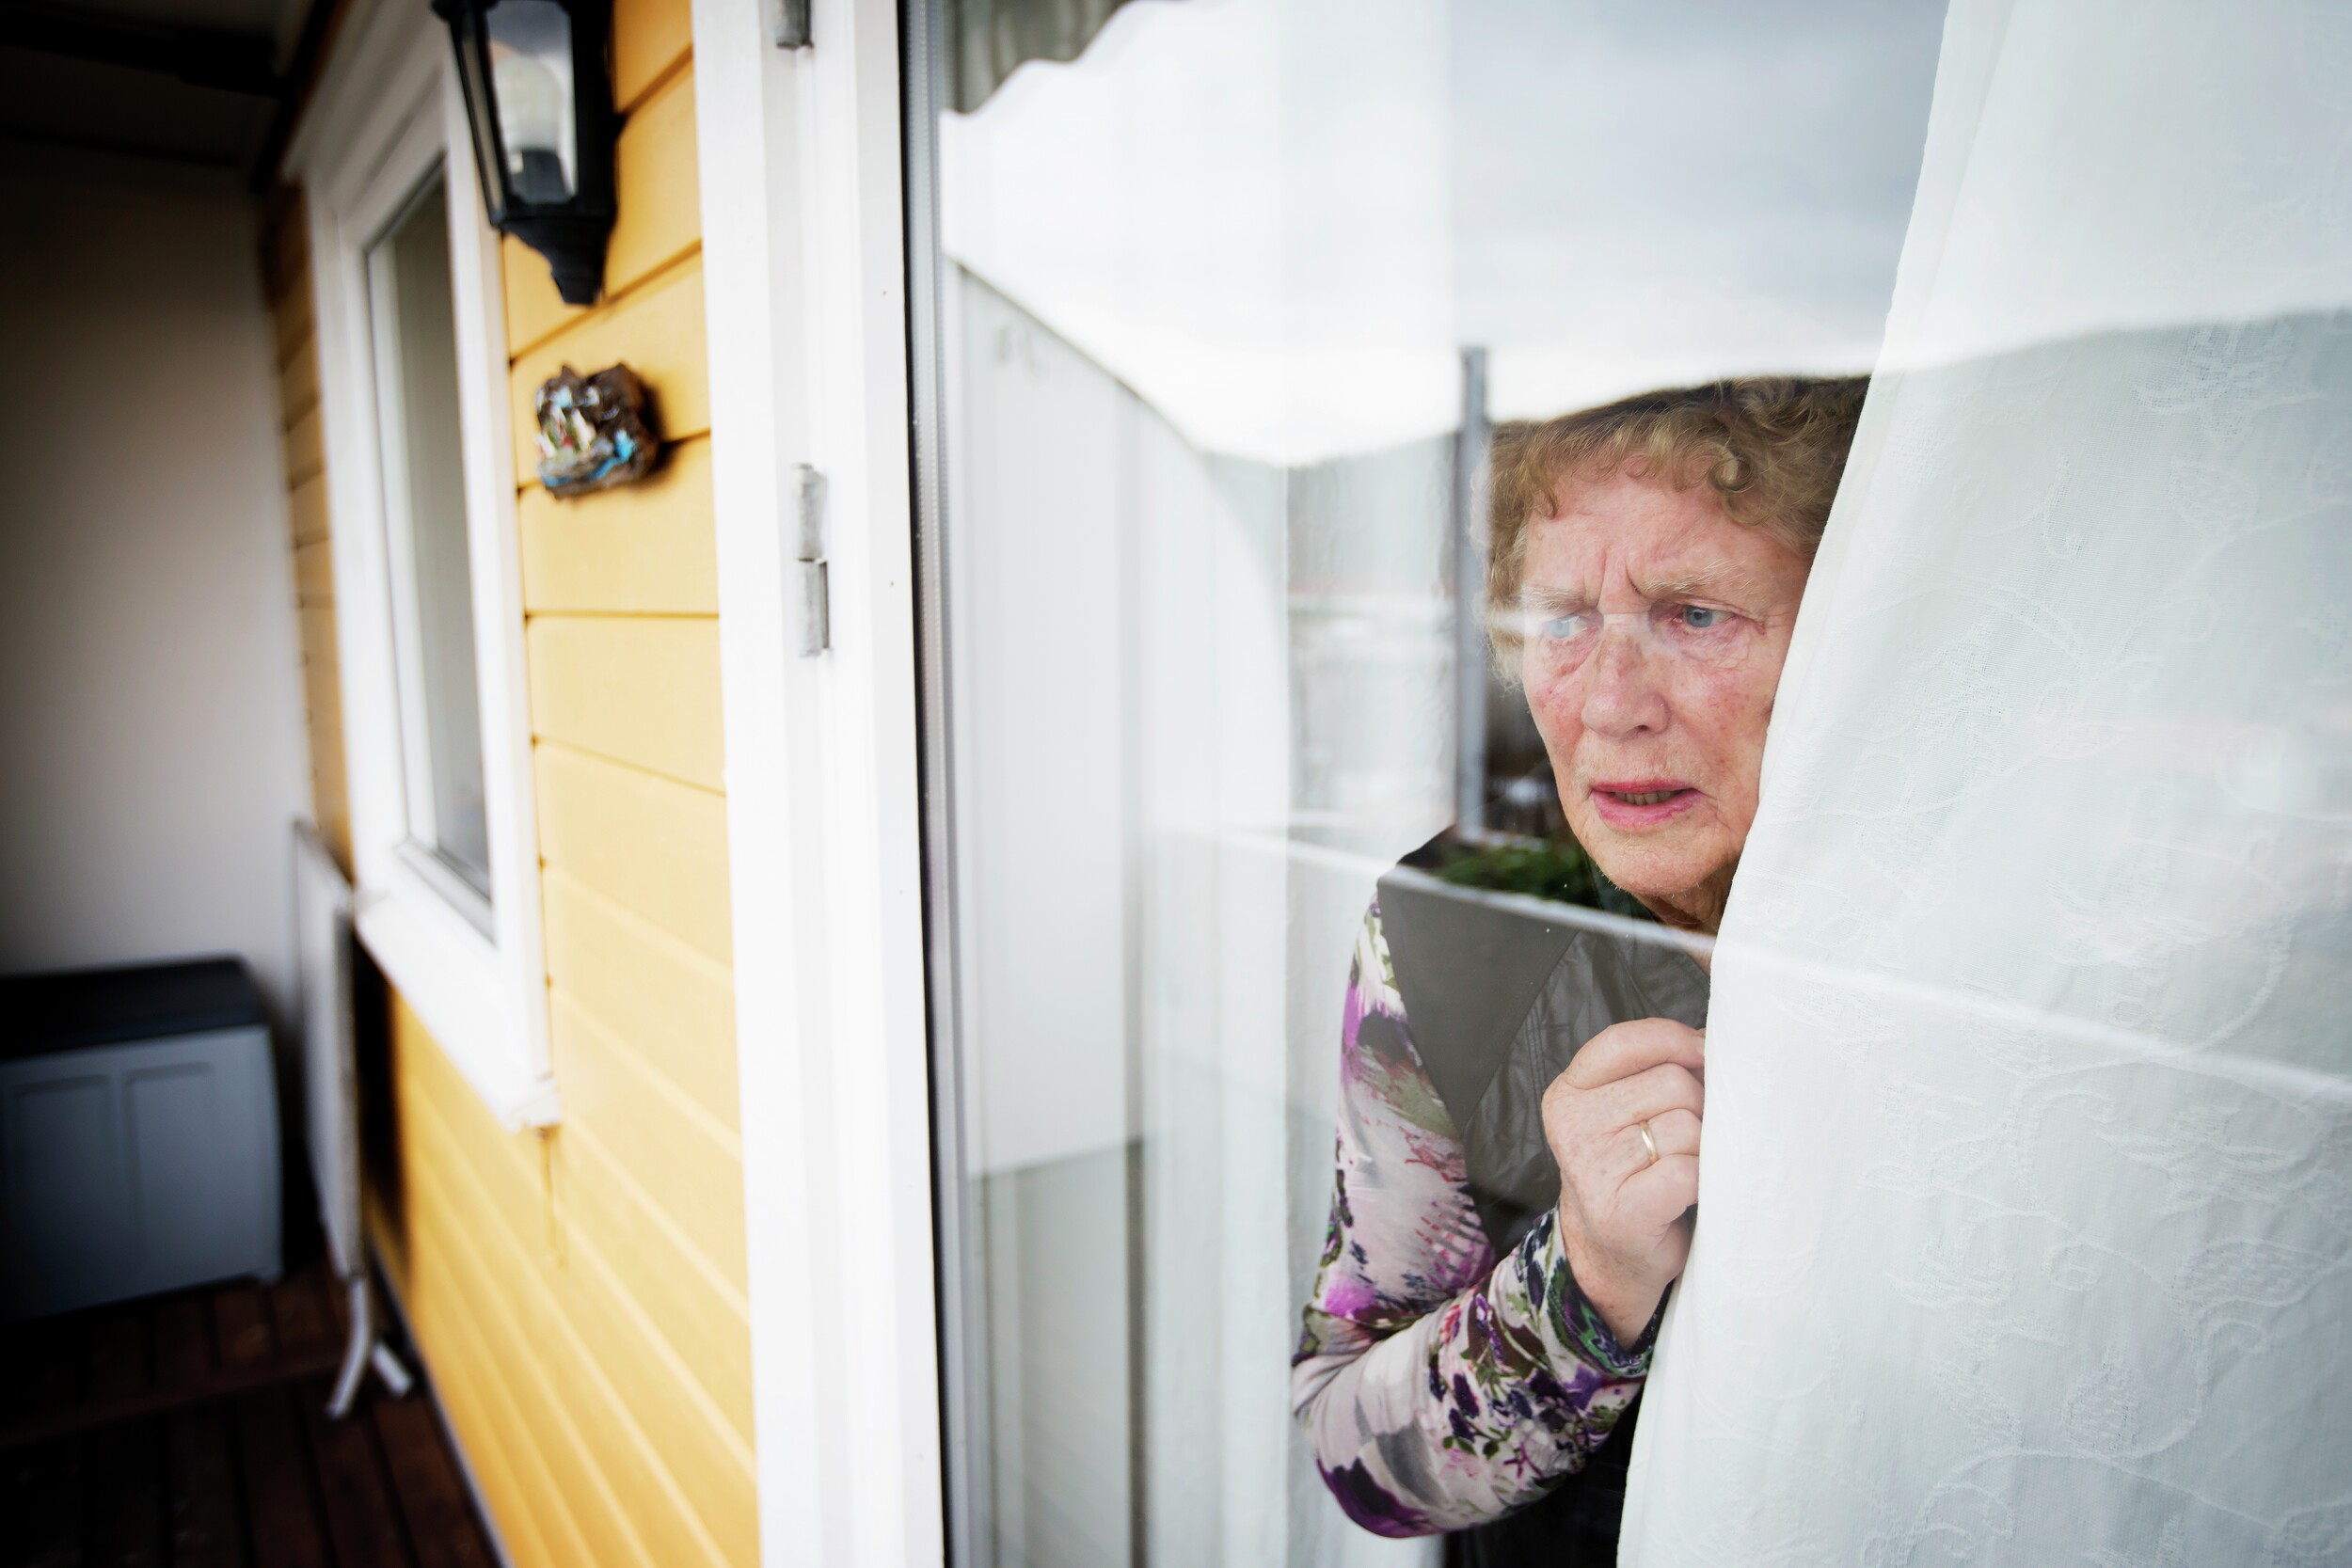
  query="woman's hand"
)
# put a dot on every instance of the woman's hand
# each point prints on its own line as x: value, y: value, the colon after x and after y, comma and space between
x: 1621, y: 1211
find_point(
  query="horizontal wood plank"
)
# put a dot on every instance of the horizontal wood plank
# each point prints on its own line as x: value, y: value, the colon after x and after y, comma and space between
x: 469, y: 1270
x: 289, y: 318
x: 314, y: 575
x: 287, y: 1531
x: 362, y: 1516
x: 305, y: 454
x: 657, y: 848
x: 467, y: 1401
x: 499, y: 1432
x: 288, y: 241
x: 638, y: 689
x: 299, y: 385
x: 533, y: 308
x: 596, y: 1342
x: 694, y: 1178
x: 305, y: 509
x: 658, y: 181
x: 672, y: 1003
x: 657, y: 332
x: 609, y: 1473
x: 698, y: 1305
x: 431, y: 1494
x: 207, y: 1526
x: 645, y: 548
x: 649, y: 37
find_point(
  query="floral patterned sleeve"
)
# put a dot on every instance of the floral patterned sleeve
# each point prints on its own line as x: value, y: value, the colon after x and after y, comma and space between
x: 1439, y: 1386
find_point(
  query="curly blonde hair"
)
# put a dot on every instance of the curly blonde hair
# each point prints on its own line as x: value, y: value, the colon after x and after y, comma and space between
x: 1773, y: 448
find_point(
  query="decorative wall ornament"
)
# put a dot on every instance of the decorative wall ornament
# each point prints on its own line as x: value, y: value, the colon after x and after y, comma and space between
x: 592, y: 431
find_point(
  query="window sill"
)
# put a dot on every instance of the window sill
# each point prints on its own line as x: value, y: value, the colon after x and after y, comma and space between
x: 452, y: 978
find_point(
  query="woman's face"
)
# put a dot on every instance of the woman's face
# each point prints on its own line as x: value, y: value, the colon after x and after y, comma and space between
x: 1655, y: 628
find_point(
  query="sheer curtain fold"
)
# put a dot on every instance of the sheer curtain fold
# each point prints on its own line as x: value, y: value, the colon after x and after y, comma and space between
x: 2025, y: 1229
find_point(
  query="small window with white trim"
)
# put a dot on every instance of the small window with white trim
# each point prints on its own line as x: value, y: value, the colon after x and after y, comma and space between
x: 414, y: 330
x: 414, y: 394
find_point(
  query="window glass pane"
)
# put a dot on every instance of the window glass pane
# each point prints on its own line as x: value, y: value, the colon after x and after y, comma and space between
x: 416, y: 352
x: 1235, y: 299
x: 530, y: 65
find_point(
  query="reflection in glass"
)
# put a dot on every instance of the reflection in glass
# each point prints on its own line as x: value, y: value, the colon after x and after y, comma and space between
x: 531, y: 62
x: 414, y: 339
x: 1215, y: 298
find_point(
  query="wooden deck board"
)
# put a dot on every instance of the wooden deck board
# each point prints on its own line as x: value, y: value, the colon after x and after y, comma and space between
x: 287, y: 1532
x: 362, y: 1517
x: 299, y: 1310
x: 124, y: 1507
x: 190, y: 1429
x: 431, y: 1494
x: 207, y: 1521
x: 40, y: 1518
x: 241, y: 1318
x: 184, y: 1343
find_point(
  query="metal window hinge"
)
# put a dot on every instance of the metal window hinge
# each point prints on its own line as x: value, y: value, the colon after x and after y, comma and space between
x: 808, y: 514
x: 790, y: 20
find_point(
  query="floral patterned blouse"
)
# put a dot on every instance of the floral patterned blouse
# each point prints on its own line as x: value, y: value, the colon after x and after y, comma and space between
x: 1440, y: 1386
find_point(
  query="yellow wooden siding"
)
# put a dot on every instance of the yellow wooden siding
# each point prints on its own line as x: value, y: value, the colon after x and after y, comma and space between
x: 645, y: 548
x: 659, y: 184
x: 661, y: 217
x: 650, y: 38
x: 290, y: 316
x: 685, y: 1160
x: 639, y: 690
x: 306, y: 453
x: 580, y: 1293
x: 653, y: 845
x: 285, y: 265
x: 298, y: 384
x: 314, y: 575
x: 671, y: 1000
x: 305, y: 509
x: 617, y: 1447
x: 694, y: 1305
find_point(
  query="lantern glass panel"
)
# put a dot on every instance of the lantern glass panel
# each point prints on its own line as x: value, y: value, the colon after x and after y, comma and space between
x: 531, y: 78
x: 473, y: 71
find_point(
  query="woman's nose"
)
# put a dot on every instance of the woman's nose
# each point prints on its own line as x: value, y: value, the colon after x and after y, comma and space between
x: 1621, y: 694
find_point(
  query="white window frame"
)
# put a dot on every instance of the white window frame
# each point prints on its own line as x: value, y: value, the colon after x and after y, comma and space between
x: 805, y: 282
x: 385, y: 113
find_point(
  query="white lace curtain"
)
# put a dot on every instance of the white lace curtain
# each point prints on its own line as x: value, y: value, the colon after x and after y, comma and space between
x: 2027, y: 1209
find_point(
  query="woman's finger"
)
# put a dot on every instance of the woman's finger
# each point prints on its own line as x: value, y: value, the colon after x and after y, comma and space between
x: 1624, y: 1153
x: 1656, y: 1197
x: 1675, y: 1132
x: 1653, y: 1092
x: 1623, y: 1050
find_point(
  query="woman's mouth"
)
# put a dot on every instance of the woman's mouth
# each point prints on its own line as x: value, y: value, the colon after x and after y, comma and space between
x: 1641, y: 802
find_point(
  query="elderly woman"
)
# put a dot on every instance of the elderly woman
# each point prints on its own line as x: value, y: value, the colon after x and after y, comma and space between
x: 1520, y: 1100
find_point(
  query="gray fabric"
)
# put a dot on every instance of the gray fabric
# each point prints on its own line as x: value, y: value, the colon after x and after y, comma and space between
x: 1600, y: 980
x: 991, y: 39
x: 1499, y: 997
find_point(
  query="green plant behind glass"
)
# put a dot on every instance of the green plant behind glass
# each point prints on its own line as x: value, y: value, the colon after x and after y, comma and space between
x: 1556, y: 869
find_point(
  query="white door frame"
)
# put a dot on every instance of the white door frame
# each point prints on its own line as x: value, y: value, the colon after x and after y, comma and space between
x: 804, y: 267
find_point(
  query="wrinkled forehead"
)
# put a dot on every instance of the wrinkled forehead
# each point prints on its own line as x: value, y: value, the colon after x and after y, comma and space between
x: 1635, y: 539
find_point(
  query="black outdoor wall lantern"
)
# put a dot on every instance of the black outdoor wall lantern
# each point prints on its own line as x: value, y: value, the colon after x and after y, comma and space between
x: 539, y: 97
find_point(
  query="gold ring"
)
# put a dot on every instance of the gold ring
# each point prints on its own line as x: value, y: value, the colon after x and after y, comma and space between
x: 1649, y: 1143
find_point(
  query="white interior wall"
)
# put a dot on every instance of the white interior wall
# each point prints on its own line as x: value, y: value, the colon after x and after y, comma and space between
x: 151, y: 746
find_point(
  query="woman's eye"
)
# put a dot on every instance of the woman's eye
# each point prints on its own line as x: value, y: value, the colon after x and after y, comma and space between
x: 1563, y: 628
